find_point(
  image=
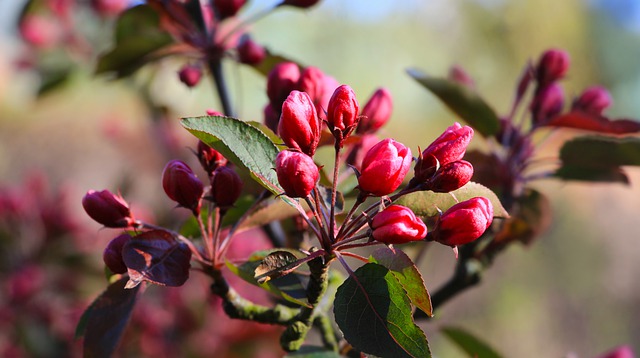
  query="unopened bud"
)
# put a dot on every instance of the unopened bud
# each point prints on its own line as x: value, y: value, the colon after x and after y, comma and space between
x: 376, y: 112
x: 342, y: 113
x: 619, y: 352
x: 190, y: 75
x: 450, y: 145
x: 250, y: 52
x: 209, y: 158
x: 282, y: 79
x: 397, y: 224
x: 312, y: 81
x: 384, y: 167
x: 299, y: 125
x: 547, y: 104
x: 552, y: 66
x: 40, y: 31
x: 112, y: 255
x: 226, y: 187
x: 227, y: 8
x: 593, y: 100
x: 297, y: 173
x: 182, y: 185
x: 451, y: 176
x: 107, y: 208
x: 359, y: 150
x: 213, y: 112
x: 464, y: 222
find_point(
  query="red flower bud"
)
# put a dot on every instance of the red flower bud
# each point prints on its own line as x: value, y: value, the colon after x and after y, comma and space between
x: 304, y: 4
x: 107, y: 208
x: 182, y: 185
x: 451, y: 176
x: 547, y: 104
x: 40, y: 31
x: 619, y: 352
x: 299, y: 125
x: 226, y: 187
x: 213, y: 112
x: 342, y: 112
x: 464, y: 222
x: 190, y: 75
x: 359, y: 150
x: 376, y: 112
x: 552, y: 66
x: 109, y: 7
x: 459, y: 75
x: 384, y: 167
x: 209, y: 158
x: 227, y: 8
x: 297, y: 173
x: 397, y: 224
x: 593, y: 100
x: 250, y: 52
x: 282, y: 79
x: 271, y: 118
x: 450, y: 145
x: 112, y: 255
x: 312, y: 81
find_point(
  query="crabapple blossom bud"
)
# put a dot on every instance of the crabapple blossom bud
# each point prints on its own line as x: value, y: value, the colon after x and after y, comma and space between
x: 425, y: 168
x: 397, y: 224
x: 547, y: 103
x: 451, y: 176
x: 271, y: 118
x: 552, y: 66
x: 376, y: 112
x: 107, y: 208
x: 464, y: 222
x: 112, y: 255
x: 297, y: 173
x: 299, y: 125
x: 593, y: 100
x: 213, y: 112
x: 312, y: 81
x: 190, y: 75
x: 209, y: 158
x: 459, y: 75
x: 450, y: 145
x: 250, y: 52
x: 303, y: 4
x: 182, y: 185
x: 359, y: 150
x: 226, y: 187
x: 619, y: 352
x: 342, y: 113
x: 384, y: 167
x: 282, y: 79
x: 39, y: 31
x: 109, y: 7
x: 227, y: 8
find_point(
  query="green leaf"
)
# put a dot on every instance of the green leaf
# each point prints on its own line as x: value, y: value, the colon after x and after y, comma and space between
x: 291, y: 287
x: 138, y: 37
x: 106, y: 319
x: 407, y: 274
x: 474, y: 347
x: 426, y: 203
x: 313, y: 352
x: 464, y: 102
x: 374, y: 313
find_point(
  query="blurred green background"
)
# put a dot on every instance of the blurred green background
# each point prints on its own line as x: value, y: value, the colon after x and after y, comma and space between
x: 574, y: 291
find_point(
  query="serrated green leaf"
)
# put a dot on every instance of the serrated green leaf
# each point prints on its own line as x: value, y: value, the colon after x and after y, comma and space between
x: 407, y: 274
x: 427, y: 203
x: 464, y: 102
x: 374, y: 313
x: 470, y: 344
x: 291, y: 287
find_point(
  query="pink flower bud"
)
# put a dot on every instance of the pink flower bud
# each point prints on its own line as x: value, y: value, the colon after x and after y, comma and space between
x: 359, y: 150
x: 303, y: 4
x: 619, y: 352
x: 464, y: 222
x: 451, y: 176
x: 297, y: 173
x: 190, y: 75
x: 107, y: 208
x: 112, y: 255
x: 271, y: 118
x: 209, y: 158
x: 593, y: 100
x: 384, y: 167
x: 250, y: 52
x: 109, y: 8
x: 459, y: 75
x: 342, y: 113
x: 552, y: 66
x: 282, y: 79
x: 213, y: 112
x: 547, y: 104
x: 40, y: 31
x: 376, y: 112
x: 450, y: 145
x: 299, y: 125
x: 227, y: 8
x: 397, y: 224
x: 182, y: 185
x: 226, y: 187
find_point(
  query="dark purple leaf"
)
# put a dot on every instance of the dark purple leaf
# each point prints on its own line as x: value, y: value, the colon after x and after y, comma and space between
x: 157, y: 257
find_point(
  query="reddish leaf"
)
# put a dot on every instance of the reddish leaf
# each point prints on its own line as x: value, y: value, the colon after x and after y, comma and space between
x: 592, y: 122
x: 157, y: 257
x: 106, y: 319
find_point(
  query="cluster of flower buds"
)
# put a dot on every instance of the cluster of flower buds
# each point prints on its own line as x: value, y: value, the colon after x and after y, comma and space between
x: 549, y: 96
